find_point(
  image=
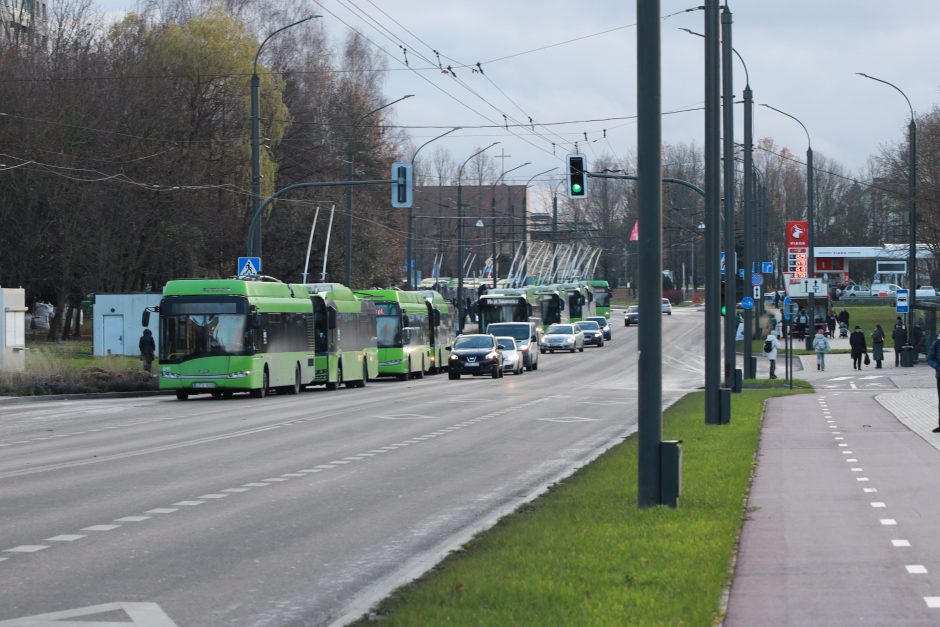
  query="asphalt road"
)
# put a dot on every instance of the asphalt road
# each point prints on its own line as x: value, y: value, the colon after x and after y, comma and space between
x: 293, y: 510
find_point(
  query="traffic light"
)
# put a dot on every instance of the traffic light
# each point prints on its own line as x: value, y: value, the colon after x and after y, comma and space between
x: 577, y: 179
x: 724, y: 308
x: 402, y: 185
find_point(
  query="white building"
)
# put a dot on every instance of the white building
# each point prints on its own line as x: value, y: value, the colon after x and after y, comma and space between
x: 13, y: 328
x: 116, y: 322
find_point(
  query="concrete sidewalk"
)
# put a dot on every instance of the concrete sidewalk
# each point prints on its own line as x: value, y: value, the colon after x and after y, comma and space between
x: 845, y: 505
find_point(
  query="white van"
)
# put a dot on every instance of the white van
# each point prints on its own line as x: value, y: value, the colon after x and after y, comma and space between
x: 526, y: 335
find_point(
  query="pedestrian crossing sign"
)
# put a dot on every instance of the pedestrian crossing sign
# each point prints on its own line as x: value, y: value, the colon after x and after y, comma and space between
x: 249, y: 266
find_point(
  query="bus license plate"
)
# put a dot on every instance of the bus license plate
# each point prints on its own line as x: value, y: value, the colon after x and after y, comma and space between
x: 203, y: 385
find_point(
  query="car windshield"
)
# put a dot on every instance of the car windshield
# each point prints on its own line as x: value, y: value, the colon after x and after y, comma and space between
x: 633, y: 309
x: 561, y: 329
x: 601, y: 322
x: 588, y: 325
x: 506, y: 343
x: 474, y: 341
x: 519, y: 331
x: 665, y: 301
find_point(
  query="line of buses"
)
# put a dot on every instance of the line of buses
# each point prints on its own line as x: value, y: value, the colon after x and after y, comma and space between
x: 247, y: 335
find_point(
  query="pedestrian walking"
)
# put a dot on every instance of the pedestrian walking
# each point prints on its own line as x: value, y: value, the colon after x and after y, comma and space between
x: 770, y: 351
x: 899, y: 337
x: 878, y: 345
x: 147, y: 349
x: 859, y: 347
x: 821, y: 346
x: 933, y: 359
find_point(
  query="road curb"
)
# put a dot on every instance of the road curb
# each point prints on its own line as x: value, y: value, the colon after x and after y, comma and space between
x: 16, y: 400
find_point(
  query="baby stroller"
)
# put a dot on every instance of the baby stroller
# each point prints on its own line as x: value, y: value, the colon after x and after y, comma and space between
x: 843, y: 329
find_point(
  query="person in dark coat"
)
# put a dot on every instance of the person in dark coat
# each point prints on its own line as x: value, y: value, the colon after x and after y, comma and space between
x: 899, y: 337
x: 831, y: 323
x: 859, y: 347
x: 843, y: 317
x: 147, y: 349
x: 933, y: 360
x: 878, y: 345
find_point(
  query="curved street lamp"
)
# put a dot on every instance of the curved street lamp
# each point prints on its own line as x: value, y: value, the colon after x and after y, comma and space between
x: 493, y: 212
x: 255, y: 246
x: 409, y: 263
x: 912, y: 205
x: 347, y: 225
x: 461, y: 310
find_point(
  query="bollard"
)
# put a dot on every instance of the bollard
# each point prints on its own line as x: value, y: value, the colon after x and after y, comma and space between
x: 753, y: 372
x: 670, y: 472
x: 724, y: 395
x: 738, y: 380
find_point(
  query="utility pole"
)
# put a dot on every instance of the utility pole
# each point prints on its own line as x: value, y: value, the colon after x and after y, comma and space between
x: 731, y: 270
x: 713, y: 392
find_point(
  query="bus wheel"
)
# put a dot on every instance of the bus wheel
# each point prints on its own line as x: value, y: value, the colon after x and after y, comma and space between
x: 420, y: 373
x: 365, y: 374
x: 182, y: 395
x: 263, y: 390
x: 294, y: 389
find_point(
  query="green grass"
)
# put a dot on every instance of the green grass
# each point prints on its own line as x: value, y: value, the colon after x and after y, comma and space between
x: 585, y: 554
x: 867, y: 316
x: 776, y: 383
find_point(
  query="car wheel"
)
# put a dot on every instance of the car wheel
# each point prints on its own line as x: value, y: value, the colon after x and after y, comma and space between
x: 580, y: 350
x: 535, y: 366
x: 496, y: 372
x: 551, y: 350
x: 542, y: 351
x: 182, y: 395
x: 453, y: 376
x: 600, y: 344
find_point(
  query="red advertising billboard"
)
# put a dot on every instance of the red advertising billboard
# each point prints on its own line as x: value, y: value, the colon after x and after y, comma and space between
x: 797, y: 233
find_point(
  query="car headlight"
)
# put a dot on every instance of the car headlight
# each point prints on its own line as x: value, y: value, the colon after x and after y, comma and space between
x: 569, y: 340
x: 454, y: 357
x: 493, y: 355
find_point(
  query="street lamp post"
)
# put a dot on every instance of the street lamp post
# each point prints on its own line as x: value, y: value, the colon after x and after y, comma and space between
x: 714, y: 394
x: 810, y: 219
x: 525, y: 217
x: 912, y: 206
x: 347, y: 226
x: 461, y: 310
x: 731, y: 270
x: 256, y: 133
x: 409, y: 263
x: 493, y: 212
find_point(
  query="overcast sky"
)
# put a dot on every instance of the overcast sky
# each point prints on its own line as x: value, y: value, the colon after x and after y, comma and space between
x: 802, y: 56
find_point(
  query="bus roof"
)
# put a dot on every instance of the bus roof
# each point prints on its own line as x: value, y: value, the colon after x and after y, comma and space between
x: 268, y: 296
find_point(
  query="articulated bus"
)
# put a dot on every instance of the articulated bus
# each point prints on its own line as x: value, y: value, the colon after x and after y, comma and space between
x: 402, y: 332
x: 224, y: 336
x: 346, y: 346
x: 441, y: 329
x: 509, y: 305
x: 601, y: 296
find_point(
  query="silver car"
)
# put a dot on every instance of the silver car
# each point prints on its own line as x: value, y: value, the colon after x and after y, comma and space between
x: 512, y: 357
x: 562, y: 337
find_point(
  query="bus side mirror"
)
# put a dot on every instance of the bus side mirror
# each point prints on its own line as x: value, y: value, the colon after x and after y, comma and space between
x: 437, y: 318
x: 405, y: 320
x: 330, y: 318
x: 255, y: 320
x: 145, y: 318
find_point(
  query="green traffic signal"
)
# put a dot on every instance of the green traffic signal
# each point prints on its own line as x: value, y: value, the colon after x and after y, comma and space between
x: 576, y: 188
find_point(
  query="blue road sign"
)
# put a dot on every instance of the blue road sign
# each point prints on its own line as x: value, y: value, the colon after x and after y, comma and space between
x: 767, y: 267
x: 740, y: 273
x: 249, y: 266
x: 722, y: 264
x: 757, y: 279
x: 747, y: 303
x: 902, y: 301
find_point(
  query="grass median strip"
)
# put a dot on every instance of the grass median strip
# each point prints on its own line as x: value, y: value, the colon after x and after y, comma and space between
x: 585, y: 554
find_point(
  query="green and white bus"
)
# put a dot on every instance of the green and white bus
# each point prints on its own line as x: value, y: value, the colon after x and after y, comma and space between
x: 231, y: 335
x: 441, y: 329
x: 601, y: 296
x: 509, y: 305
x: 402, y: 332
x: 579, y: 301
x: 551, y: 301
x: 346, y: 347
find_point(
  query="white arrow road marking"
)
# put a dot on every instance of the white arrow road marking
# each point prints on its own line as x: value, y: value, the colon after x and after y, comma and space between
x: 874, y: 376
x: 140, y: 615
x: 840, y: 378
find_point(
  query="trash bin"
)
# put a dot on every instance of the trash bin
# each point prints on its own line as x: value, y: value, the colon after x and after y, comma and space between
x: 907, y: 356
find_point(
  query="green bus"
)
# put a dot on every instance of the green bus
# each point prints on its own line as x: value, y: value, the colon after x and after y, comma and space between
x: 579, y: 300
x: 346, y: 347
x: 401, y: 322
x: 509, y: 305
x: 551, y: 300
x: 441, y: 329
x: 231, y: 335
x: 601, y: 296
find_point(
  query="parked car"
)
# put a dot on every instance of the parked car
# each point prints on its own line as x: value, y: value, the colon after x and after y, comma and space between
x: 926, y: 290
x: 592, y: 333
x: 631, y: 315
x: 562, y: 337
x: 604, y: 324
x: 884, y: 289
x: 512, y: 356
x: 667, y: 307
x: 526, y: 335
x: 475, y: 354
x: 855, y: 291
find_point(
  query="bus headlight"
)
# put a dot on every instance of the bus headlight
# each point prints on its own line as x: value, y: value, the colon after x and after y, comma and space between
x: 239, y: 375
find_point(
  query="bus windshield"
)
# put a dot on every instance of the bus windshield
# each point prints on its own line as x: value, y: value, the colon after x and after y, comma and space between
x: 601, y: 297
x: 503, y: 310
x: 187, y: 335
x: 388, y: 325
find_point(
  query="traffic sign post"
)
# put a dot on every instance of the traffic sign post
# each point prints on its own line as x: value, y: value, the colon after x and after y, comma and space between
x: 747, y: 303
x: 757, y: 292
